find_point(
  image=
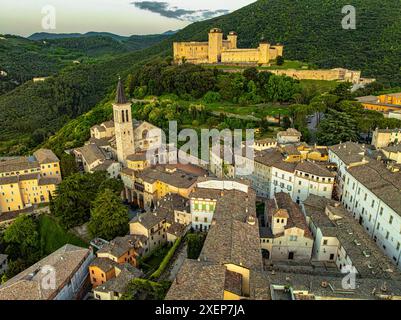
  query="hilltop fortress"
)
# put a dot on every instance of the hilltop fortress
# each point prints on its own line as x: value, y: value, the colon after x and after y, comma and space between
x: 225, y: 52
x: 218, y: 50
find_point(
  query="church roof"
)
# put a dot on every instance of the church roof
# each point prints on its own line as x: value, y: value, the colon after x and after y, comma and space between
x: 120, y: 96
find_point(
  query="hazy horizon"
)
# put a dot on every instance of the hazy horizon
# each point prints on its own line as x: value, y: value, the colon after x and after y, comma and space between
x: 122, y: 17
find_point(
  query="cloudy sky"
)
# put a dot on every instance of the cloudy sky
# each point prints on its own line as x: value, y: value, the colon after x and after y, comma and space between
x: 125, y: 17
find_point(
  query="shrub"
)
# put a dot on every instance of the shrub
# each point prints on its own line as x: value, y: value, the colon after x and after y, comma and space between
x: 211, y: 97
x: 195, y: 243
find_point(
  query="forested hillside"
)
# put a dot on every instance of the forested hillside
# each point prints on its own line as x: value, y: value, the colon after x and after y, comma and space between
x: 23, y: 59
x: 33, y: 111
x: 311, y: 31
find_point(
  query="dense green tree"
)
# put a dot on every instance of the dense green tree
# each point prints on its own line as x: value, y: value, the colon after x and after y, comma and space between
x: 68, y: 165
x: 280, y: 60
x: 251, y: 74
x: 18, y: 265
x: 73, y: 197
x: 337, y: 127
x: 143, y: 289
x: 195, y: 244
x: 3, y: 278
x: 22, y: 239
x: 115, y: 185
x: 109, y: 217
x: 38, y: 136
x: 130, y: 85
x: 211, y: 97
x: 281, y: 89
x: 343, y: 91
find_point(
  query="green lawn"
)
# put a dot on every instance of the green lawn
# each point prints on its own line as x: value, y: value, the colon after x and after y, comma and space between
x: 321, y: 86
x: 53, y: 236
x: 151, y: 262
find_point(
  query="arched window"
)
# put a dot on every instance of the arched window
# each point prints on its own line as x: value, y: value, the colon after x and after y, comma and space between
x: 122, y: 116
x: 126, y: 116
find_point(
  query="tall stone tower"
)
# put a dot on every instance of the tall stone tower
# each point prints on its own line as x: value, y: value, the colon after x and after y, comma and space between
x: 264, y: 52
x: 232, y: 37
x: 215, y: 45
x: 123, y: 125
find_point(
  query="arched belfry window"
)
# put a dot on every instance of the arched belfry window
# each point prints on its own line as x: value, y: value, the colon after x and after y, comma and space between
x: 126, y: 116
x: 122, y: 116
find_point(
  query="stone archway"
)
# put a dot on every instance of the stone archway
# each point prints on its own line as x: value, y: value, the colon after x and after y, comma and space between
x: 266, y: 254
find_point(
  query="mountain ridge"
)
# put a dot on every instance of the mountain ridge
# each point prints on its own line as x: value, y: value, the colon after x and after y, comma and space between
x: 52, y: 36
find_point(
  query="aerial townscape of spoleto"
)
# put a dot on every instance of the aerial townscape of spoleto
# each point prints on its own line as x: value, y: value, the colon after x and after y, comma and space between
x: 101, y: 200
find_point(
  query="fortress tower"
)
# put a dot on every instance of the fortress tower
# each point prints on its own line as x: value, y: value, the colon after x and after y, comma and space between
x: 215, y: 45
x: 264, y: 52
x: 123, y: 125
x: 232, y: 38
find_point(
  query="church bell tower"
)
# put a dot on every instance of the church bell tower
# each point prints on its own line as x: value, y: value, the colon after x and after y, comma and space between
x: 123, y: 125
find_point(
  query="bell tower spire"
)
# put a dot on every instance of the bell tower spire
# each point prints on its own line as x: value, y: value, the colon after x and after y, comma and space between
x: 120, y: 95
x: 123, y: 124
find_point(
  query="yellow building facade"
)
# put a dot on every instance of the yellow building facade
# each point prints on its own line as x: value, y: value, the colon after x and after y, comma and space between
x: 27, y: 181
x: 220, y: 50
x: 384, y: 103
x: 393, y: 98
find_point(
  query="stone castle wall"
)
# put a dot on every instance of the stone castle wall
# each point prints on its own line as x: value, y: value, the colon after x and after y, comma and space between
x: 320, y: 74
x: 219, y: 50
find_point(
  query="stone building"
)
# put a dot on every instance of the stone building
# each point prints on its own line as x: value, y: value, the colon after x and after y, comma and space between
x: 284, y: 233
x: 230, y: 262
x: 300, y: 179
x: 342, y: 240
x: 219, y: 50
x: 169, y: 220
x: 386, y: 137
x: 204, y: 198
x: 28, y: 181
x: 69, y: 266
x: 289, y: 136
x: 385, y: 103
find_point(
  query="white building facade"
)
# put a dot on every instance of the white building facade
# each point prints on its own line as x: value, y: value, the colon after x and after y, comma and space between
x: 381, y: 221
x: 301, y: 180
